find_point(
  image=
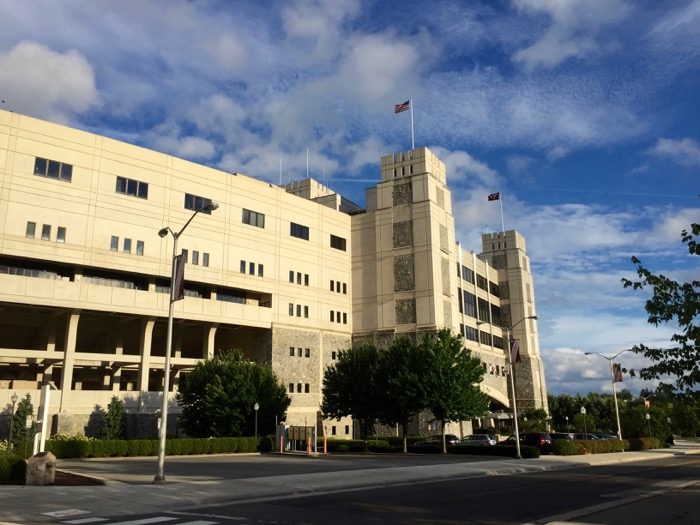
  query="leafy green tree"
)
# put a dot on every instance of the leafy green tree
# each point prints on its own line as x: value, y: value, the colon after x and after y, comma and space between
x: 400, y: 377
x: 217, y: 397
x: 114, y: 426
x: 20, y: 433
x: 350, y: 387
x: 452, y: 380
x: 533, y: 420
x: 671, y: 301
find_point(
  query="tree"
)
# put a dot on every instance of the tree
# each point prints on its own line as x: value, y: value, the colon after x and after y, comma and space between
x: 20, y: 433
x: 218, y: 396
x: 452, y: 380
x: 350, y: 386
x: 400, y: 375
x: 114, y: 424
x: 672, y: 301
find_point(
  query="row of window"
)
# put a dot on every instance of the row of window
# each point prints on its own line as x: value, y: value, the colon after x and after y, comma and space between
x: 195, y: 259
x: 53, y: 169
x: 334, y: 432
x: 336, y: 287
x: 336, y: 317
x: 468, y: 275
x: 297, y: 310
x: 485, y: 338
x: 307, y: 388
x: 126, y: 245
x: 298, y: 352
x: 132, y: 187
x: 299, y: 231
x: 299, y: 278
x: 251, y: 268
x: 45, y: 232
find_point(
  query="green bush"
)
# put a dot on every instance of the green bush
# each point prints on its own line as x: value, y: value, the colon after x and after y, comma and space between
x: 247, y: 444
x: 379, y: 445
x: 267, y: 443
x: 141, y: 447
x: 567, y: 447
x: 643, y: 443
x: 13, y: 469
x: 69, y: 448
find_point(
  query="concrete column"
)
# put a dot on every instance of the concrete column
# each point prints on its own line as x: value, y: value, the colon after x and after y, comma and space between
x: 69, y: 358
x: 116, y: 377
x: 145, y: 351
x: 209, y: 341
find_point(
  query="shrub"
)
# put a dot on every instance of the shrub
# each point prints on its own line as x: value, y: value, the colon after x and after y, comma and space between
x: 567, y: 447
x: 139, y: 447
x: 247, y: 444
x: 13, y: 469
x: 379, y: 445
x: 643, y: 443
x: 70, y: 447
x: 266, y: 444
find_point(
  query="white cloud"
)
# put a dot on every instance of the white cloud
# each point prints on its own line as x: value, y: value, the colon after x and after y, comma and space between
x: 461, y: 167
x: 572, y: 31
x: 519, y: 163
x: 685, y: 151
x: 557, y: 152
x: 38, y: 81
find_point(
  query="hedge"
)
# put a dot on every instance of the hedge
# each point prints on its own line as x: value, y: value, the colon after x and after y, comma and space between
x: 80, y: 447
x: 644, y: 443
x: 572, y: 447
x: 13, y: 469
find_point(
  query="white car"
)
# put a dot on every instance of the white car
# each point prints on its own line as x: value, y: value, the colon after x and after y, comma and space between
x: 479, y: 439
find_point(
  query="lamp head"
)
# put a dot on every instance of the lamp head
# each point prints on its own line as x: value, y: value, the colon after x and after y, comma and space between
x: 211, y: 206
x: 163, y: 232
x: 14, y: 398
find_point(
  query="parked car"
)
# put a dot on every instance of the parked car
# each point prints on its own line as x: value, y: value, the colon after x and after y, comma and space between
x: 450, y: 439
x: 541, y: 440
x: 587, y: 436
x: 561, y: 435
x: 479, y: 440
x: 605, y: 436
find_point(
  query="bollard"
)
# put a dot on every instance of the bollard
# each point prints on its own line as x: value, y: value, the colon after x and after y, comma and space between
x: 308, y: 444
x: 282, y: 444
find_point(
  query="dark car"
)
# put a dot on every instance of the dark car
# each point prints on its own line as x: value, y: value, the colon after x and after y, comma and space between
x: 450, y: 439
x: 541, y: 440
x: 561, y: 435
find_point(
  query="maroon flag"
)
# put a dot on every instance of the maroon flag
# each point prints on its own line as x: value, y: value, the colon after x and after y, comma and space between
x: 178, y: 287
x: 514, y: 351
x: 617, y: 373
x: 495, y: 196
x: 398, y: 108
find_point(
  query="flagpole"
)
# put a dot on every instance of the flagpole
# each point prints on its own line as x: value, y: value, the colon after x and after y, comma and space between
x: 413, y: 140
x: 503, y: 224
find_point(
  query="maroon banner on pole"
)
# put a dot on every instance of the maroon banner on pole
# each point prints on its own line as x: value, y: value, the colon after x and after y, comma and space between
x: 178, y: 286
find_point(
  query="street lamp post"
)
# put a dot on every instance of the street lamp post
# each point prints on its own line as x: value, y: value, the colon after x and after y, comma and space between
x: 256, y: 406
x: 585, y: 429
x: 612, y: 381
x: 567, y: 422
x: 648, y: 417
x: 163, y: 232
x: 12, y: 419
x: 511, y: 367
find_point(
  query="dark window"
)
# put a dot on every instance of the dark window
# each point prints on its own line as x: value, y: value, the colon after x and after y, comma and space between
x: 299, y: 387
x: 333, y: 430
x: 291, y: 309
x: 291, y: 388
x: 332, y: 285
x: 61, y: 234
x: 495, y: 315
x: 332, y: 316
x: 298, y: 310
x: 291, y: 351
x: 467, y: 275
x: 306, y: 312
x: 299, y: 352
x: 53, y: 169
x: 470, y: 333
x: 470, y: 304
x: 127, y: 246
x: 31, y: 230
x: 132, y: 187
x: 231, y: 297
x: 334, y: 355
x: 291, y: 276
x: 497, y: 342
x: 242, y: 266
x: 205, y: 259
x: 481, y: 282
x: 114, y: 243
x: 306, y: 279
x: 195, y: 257
x: 251, y: 268
x: 298, y: 277
x: 485, y: 338
x: 307, y: 352
x: 494, y: 289
x: 484, y: 314
x: 194, y: 202
x: 253, y: 218
x: 347, y: 429
x: 139, y: 247
x: 46, y: 232
x: 260, y: 270
x: 345, y: 318
x: 297, y: 230
x: 337, y: 242
x: 306, y: 388
x: 345, y: 288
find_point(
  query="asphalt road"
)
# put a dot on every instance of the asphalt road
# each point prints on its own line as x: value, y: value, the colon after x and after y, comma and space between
x: 663, y: 491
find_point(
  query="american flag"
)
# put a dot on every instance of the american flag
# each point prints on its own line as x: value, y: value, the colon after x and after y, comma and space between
x: 398, y: 108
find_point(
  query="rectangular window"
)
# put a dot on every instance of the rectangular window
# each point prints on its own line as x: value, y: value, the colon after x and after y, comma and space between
x: 307, y: 352
x: 337, y: 242
x: 139, y: 248
x: 345, y: 318
x: 205, y: 259
x: 291, y: 309
x: 467, y: 275
x: 299, y: 351
x: 61, y: 234
x: 337, y: 316
x: 484, y: 313
x: 46, y: 232
x: 485, y: 338
x: 132, y: 187
x: 251, y: 268
x: 196, y: 203
x: 298, y: 277
x: 470, y: 304
x: 332, y: 285
x: 253, y: 218
x: 334, y: 355
x: 345, y: 288
x: 306, y: 388
x: 306, y: 279
x: 53, y: 169
x: 185, y: 254
x: 31, y: 230
x: 470, y: 333
x: 481, y: 282
x: 337, y: 286
x: 195, y: 257
x: 291, y: 351
x: 127, y: 246
x: 332, y: 316
x: 299, y: 388
x: 291, y: 388
x: 299, y: 231
x: 242, y: 266
x: 114, y: 243
x: 260, y: 270
x: 347, y: 429
x: 333, y: 431
x: 306, y: 312
x: 291, y: 276
x: 493, y: 288
x: 298, y: 310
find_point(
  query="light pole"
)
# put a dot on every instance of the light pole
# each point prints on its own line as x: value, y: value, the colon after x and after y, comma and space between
x: 648, y: 417
x: 256, y: 406
x: 12, y: 419
x: 585, y: 430
x: 612, y: 381
x: 567, y: 422
x: 511, y: 367
x: 163, y: 232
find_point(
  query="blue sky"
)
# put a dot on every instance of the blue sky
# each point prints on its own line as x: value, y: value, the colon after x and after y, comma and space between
x: 584, y: 114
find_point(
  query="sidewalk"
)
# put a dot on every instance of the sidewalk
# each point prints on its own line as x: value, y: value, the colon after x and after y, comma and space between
x: 23, y: 504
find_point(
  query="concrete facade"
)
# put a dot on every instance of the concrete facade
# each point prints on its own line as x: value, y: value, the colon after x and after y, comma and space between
x: 289, y: 275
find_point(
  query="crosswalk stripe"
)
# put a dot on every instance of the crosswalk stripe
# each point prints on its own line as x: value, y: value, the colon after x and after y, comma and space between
x: 83, y: 521
x: 145, y: 521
